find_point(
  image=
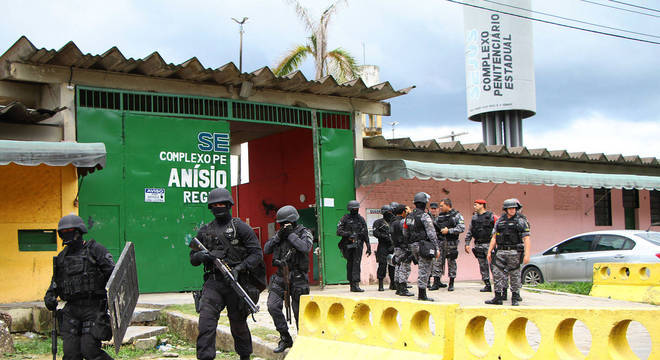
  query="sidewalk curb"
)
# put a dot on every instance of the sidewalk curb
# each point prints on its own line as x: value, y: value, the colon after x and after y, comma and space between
x: 557, y: 292
x: 187, y: 327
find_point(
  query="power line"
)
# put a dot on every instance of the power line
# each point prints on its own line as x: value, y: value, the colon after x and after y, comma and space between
x: 574, y: 20
x: 620, y: 8
x: 633, y: 5
x: 558, y: 24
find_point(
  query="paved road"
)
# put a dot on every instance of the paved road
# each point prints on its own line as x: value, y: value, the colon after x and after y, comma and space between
x: 467, y: 294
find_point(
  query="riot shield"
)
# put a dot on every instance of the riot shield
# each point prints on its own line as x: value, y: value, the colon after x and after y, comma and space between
x: 122, y: 289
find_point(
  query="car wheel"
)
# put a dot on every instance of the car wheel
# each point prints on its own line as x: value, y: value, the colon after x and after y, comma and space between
x: 532, y: 276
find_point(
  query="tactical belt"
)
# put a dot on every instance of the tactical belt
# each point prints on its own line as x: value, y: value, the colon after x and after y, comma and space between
x: 508, y: 247
x: 87, y: 301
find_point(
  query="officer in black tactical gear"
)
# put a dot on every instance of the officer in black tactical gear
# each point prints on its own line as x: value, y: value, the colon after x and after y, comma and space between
x: 402, y: 252
x: 381, y: 230
x: 234, y: 242
x: 481, y: 229
x: 81, y: 272
x: 419, y: 230
x: 290, y: 248
x: 451, y: 224
x: 512, y: 243
x: 354, y: 236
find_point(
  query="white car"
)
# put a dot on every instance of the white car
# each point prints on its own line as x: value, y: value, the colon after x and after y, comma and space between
x: 573, y: 259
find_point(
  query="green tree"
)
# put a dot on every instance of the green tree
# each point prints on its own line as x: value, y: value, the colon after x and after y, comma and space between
x: 338, y: 62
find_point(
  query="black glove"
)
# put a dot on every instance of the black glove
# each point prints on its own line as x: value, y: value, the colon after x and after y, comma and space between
x: 368, y: 249
x: 204, y: 256
x: 236, y: 270
x: 285, y: 232
x: 51, y: 302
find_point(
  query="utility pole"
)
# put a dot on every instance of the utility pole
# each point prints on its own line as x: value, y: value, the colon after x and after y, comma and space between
x: 393, y: 123
x: 240, y: 56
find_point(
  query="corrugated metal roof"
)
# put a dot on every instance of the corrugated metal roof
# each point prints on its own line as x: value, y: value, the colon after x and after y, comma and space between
x: 23, y: 51
x: 379, y: 142
x: 17, y: 113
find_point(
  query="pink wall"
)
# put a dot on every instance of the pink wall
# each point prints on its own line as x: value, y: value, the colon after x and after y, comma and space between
x: 554, y: 213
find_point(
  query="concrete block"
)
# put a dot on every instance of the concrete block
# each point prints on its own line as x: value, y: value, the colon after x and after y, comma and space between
x: 145, y: 344
x: 142, y: 315
x: 6, y: 341
x: 141, y: 332
x: 21, y: 319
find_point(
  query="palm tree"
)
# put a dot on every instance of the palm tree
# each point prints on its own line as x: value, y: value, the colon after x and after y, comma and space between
x: 337, y: 62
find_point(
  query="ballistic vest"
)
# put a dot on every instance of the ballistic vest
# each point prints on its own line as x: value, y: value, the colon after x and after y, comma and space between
x: 446, y: 220
x: 223, y: 242
x: 508, y: 232
x: 482, y: 227
x: 416, y: 229
x: 396, y: 231
x: 297, y: 260
x: 78, y: 275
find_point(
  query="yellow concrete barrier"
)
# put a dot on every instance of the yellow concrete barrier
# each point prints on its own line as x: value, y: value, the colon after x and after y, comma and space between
x: 334, y: 327
x: 607, y: 327
x: 623, y: 281
x: 368, y: 328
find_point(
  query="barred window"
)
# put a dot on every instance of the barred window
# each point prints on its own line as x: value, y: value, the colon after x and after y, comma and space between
x: 655, y: 206
x: 603, y: 207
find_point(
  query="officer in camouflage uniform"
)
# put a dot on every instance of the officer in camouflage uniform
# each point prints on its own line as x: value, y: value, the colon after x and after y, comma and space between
x: 402, y: 252
x: 512, y: 244
x: 381, y: 230
x: 418, y: 229
x: 81, y: 272
x: 481, y: 229
x: 451, y: 224
x: 354, y: 236
x: 439, y: 263
x: 234, y: 242
x: 290, y: 247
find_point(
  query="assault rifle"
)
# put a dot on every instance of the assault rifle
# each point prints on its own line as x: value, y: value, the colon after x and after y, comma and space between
x: 226, y: 271
x: 286, y: 272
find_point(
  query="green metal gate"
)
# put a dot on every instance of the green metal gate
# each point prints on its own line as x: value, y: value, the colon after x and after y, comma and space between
x: 153, y: 189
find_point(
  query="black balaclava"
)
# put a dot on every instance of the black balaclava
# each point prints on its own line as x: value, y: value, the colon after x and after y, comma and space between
x: 71, y: 238
x: 420, y: 206
x: 222, y: 214
x: 354, y: 211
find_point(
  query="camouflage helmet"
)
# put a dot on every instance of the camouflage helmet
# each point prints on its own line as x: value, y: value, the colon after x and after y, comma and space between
x: 287, y: 213
x: 421, y: 197
x: 72, y: 221
x: 219, y: 195
x: 511, y: 203
x: 385, y: 209
x: 352, y: 205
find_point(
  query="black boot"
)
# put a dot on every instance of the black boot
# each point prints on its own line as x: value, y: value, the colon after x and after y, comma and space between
x: 514, y: 298
x: 516, y: 295
x: 285, y: 342
x: 355, y: 287
x: 380, y: 285
x: 487, y: 287
x: 497, y: 300
x: 436, y: 283
x: 403, y: 290
x: 440, y: 284
x: 504, y: 296
x: 451, y: 284
x: 393, y: 285
x: 422, y: 295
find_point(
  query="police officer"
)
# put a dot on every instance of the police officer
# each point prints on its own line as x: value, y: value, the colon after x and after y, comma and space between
x: 481, y: 229
x: 234, y: 242
x: 354, y: 236
x: 402, y: 252
x: 451, y: 224
x: 381, y: 230
x: 81, y: 272
x: 418, y: 229
x: 439, y: 263
x: 290, y: 248
x: 511, y: 241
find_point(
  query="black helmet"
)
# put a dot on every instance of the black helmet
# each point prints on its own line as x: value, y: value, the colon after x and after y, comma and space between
x: 352, y: 205
x: 394, y: 205
x: 511, y: 203
x: 287, y: 214
x: 72, y: 221
x: 421, y: 197
x: 385, y: 209
x: 219, y: 195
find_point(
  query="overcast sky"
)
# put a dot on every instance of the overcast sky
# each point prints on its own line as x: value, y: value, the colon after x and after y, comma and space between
x: 594, y: 93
